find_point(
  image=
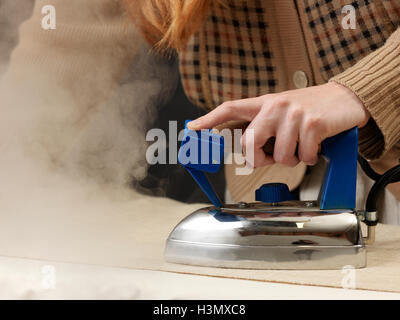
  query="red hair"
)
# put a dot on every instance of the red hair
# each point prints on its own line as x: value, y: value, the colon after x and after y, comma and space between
x: 168, y: 23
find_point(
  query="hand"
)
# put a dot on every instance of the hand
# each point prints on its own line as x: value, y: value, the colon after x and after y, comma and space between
x: 303, y: 117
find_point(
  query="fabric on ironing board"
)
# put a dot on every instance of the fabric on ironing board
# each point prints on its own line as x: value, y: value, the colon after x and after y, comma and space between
x: 124, y: 229
x: 41, y: 279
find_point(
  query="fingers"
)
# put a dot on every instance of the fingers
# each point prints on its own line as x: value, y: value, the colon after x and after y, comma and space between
x: 243, y: 110
x: 254, y: 138
x: 288, y: 122
x: 309, y: 141
x: 286, y: 142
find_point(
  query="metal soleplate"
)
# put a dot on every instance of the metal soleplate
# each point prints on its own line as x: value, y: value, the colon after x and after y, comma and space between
x: 291, y: 235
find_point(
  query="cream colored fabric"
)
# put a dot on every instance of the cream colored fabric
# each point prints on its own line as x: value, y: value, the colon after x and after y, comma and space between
x: 122, y: 229
x: 39, y: 279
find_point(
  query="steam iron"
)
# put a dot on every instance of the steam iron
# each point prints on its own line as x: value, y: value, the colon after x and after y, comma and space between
x: 275, y: 232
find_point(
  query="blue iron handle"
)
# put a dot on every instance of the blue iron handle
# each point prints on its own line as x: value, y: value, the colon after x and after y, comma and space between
x: 203, y: 151
x: 338, y: 189
x: 206, y: 186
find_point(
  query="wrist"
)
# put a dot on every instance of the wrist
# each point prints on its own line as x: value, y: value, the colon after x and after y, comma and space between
x: 352, y: 101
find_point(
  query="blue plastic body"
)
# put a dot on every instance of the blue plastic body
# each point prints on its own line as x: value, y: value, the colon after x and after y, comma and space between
x: 274, y: 192
x: 338, y: 189
x: 202, y: 181
x: 203, y: 151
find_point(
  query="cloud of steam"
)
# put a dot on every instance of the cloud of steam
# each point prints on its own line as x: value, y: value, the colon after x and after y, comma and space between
x: 65, y: 169
x: 42, y: 129
x: 57, y: 158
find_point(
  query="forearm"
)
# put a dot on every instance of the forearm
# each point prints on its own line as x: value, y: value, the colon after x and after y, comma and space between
x: 376, y: 81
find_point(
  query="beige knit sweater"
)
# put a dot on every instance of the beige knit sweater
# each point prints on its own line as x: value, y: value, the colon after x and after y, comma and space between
x: 86, y: 55
x: 94, y: 42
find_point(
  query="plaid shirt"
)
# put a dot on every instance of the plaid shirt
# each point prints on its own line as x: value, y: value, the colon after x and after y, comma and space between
x: 255, y: 47
x: 235, y: 54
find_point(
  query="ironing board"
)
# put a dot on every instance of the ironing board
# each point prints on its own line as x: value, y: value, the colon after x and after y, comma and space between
x: 119, y: 228
x: 26, y: 279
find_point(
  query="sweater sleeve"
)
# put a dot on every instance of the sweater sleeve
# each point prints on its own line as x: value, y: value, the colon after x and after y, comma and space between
x: 86, y: 54
x: 376, y: 81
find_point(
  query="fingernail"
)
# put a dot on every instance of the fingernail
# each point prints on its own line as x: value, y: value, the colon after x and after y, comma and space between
x: 195, y: 124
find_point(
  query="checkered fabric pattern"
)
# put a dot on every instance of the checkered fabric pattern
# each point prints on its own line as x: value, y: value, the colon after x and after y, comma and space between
x: 231, y: 57
x: 339, y: 48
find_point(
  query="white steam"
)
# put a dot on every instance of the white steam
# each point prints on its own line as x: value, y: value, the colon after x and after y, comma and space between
x: 105, y: 144
x: 43, y: 124
x: 57, y: 158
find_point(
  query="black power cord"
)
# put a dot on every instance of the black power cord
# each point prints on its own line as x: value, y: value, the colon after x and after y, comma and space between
x: 381, y: 181
x: 367, y: 168
x: 390, y: 176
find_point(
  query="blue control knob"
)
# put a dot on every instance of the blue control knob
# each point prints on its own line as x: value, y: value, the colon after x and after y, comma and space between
x: 273, y: 192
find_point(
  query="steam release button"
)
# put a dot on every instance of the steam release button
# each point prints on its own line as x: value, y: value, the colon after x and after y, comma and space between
x: 273, y: 192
